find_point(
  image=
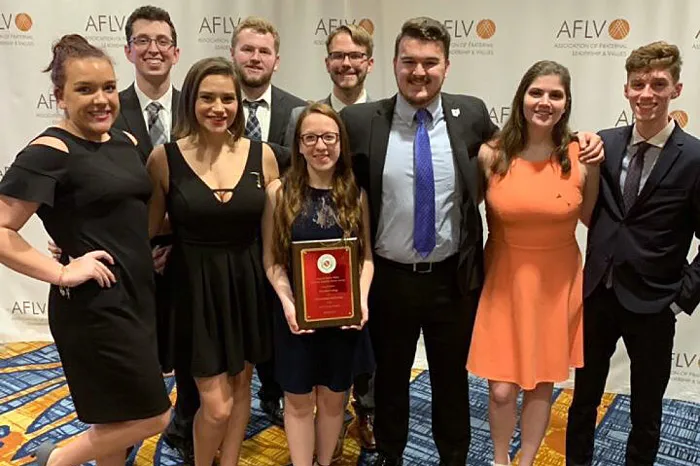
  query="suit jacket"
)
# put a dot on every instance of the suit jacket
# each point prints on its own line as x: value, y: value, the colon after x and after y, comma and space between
x: 296, y: 112
x: 468, y: 126
x: 130, y: 119
x: 648, y: 245
x: 281, y: 108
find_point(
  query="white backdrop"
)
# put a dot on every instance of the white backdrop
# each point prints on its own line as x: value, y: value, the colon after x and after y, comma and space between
x: 493, y: 43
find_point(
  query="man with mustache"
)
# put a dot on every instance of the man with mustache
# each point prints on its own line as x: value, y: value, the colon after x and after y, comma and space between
x: 416, y: 156
x: 255, y: 45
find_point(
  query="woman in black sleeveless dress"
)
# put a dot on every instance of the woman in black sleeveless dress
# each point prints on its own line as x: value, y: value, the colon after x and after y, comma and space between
x: 317, y: 199
x: 88, y: 186
x: 211, y: 182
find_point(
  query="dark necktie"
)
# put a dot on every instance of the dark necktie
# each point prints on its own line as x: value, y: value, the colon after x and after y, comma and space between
x: 156, y: 130
x: 634, y: 176
x: 424, y: 208
x: 252, y: 125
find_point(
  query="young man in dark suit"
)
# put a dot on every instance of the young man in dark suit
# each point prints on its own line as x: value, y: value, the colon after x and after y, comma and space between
x: 149, y: 105
x: 255, y: 45
x: 636, y: 277
x: 148, y: 111
x: 415, y: 155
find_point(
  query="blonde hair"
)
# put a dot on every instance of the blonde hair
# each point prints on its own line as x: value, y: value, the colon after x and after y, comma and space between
x: 259, y: 25
x: 358, y: 35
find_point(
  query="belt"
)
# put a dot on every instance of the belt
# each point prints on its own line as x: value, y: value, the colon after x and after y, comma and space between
x: 447, y: 265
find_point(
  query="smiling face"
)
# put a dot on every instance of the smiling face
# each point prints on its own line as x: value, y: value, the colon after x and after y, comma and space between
x: 255, y: 57
x: 151, y: 48
x: 420, y: 68
x: 216, y: 105
x: 544, y: 102
x: 650, y: 93
x: 89, y: 96
x: 347, y: 63
x: 319, y: 142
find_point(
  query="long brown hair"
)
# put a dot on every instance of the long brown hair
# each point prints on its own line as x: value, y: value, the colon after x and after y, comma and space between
x: 513, y: 138
x: 186, y: 123
x: 295, y: 189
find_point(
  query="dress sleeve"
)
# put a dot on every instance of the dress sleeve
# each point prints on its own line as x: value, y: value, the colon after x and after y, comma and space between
x: 35, y: 174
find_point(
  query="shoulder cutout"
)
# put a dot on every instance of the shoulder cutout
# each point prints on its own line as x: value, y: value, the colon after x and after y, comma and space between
x: 50, y: 141
x: 131, y: 136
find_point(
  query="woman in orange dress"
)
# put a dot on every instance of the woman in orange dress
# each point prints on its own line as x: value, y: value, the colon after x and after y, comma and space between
x: 529, y: 324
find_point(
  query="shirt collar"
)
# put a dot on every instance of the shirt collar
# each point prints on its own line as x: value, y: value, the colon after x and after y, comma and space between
x: 338, y: 104
x: 657, y: 140
x: 166, y: 100
x: 407, y: 112
x: 265, y: 99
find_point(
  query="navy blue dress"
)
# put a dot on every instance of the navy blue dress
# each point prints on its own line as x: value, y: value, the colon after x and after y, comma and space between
x: 330, y: 357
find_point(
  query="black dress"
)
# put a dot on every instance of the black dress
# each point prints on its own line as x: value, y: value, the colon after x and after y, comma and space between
x: 216, y: 267
x: 94, y: 198
x: 330, y: 357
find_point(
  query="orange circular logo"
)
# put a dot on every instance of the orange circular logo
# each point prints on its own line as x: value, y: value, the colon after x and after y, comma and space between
x: 619, y: 29
x: 681, y: 117
x: 485, y: 29
x: 23, y: 22
x: 367, y: 25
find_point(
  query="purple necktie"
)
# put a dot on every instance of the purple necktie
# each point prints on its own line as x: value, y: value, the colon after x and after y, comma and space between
x: 424, y: 208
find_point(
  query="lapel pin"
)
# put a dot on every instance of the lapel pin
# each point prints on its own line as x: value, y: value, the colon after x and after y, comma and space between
x: 455, y: 112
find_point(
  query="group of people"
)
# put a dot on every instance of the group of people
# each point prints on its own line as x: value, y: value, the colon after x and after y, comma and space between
x: 183, y: 206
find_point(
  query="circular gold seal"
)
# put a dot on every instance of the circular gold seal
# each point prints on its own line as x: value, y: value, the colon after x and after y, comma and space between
x: 619, y: 29
x: 23, y: 22
x: 367, y: 25
x: 680, y: 116
x: 485, y: 29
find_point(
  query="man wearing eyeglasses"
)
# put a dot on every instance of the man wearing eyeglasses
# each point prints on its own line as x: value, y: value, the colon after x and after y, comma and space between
x: 149, y: 105
x: 148, y: 111
x: 348, y: 61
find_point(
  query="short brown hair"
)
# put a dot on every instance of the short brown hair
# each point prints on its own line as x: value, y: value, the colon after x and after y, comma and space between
x: 424, y: 28
x: 657, y: 55
x: 186, y: 123
x: 358, y: 35
x: 259, y: 25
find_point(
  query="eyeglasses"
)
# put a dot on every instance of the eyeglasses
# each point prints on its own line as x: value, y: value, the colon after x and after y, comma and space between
x: 142, y: 42
x: 355, y: 57
x: 310, y: 139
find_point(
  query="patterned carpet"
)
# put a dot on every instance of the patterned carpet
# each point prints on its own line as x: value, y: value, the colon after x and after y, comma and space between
x: 35, y: 405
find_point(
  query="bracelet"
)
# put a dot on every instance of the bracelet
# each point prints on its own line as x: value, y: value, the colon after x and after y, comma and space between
x: 63, y: 290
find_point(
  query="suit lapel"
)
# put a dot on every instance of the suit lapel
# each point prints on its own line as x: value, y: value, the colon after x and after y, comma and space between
x: 131, y: 111
x: 666, y: 159
x: 174, y: 112
x: 378, y: 143
x: 615, y: 154
x: 464, y: 165
x: 277, y: 117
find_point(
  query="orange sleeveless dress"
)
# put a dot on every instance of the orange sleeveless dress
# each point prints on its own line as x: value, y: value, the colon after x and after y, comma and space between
x: 529, y: 324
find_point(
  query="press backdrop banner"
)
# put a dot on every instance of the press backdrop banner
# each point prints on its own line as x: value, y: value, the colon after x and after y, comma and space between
x: 493, y: 43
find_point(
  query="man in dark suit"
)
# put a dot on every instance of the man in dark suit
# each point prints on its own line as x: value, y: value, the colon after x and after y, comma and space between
x: 255, y: 45
x: 148, y: 111
x: 636, y: 276
x: 149, y: 105
x: 415, y: 155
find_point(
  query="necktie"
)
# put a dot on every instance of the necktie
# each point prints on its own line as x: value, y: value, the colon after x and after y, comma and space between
x: 252, y: 125
x: 156, y: 130
x: 424, y: 207
x: 634, y: 175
